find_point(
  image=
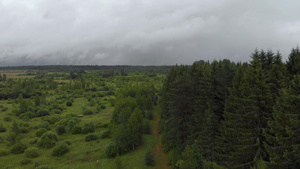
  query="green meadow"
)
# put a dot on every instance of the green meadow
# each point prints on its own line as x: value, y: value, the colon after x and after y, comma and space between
x: 65, y: 119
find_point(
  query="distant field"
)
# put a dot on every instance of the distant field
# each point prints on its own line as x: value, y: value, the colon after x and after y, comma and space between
x: 16, y: 74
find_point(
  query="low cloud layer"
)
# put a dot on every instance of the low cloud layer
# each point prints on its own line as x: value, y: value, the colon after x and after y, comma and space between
x: 143, y: 32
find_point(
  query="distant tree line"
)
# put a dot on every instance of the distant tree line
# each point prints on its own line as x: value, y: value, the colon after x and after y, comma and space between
x: 234, y: 115
x: 77, y: 68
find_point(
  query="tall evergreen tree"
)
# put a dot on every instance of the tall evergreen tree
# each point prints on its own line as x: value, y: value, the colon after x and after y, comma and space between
x: 293, y: 63
x: 179, y: 106
x: 251, y: 117
x: 228, y: 128
x: 284, y: 140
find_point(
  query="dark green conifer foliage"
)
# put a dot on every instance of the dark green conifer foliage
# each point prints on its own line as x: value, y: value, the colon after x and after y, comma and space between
x: 250, y: 118
x: 293, y: 63
x: 179, y: 105
x: 229, y: 133
x: 284, y: 140
x: 201, y: 98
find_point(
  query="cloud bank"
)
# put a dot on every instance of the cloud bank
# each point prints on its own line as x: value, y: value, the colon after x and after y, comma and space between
x: 143, y: 32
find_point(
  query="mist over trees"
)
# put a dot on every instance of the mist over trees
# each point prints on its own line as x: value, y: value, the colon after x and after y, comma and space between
x: 233, y: 115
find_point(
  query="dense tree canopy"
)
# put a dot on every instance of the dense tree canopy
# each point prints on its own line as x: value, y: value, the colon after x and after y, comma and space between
x: 232, y: 114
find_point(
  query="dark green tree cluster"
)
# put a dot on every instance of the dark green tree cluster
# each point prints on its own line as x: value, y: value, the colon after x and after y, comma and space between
x: 28, y: 87
x: 233, y: 115
x: 128, y: 121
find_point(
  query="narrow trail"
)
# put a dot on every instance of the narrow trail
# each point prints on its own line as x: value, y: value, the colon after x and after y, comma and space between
x: 161, y: 158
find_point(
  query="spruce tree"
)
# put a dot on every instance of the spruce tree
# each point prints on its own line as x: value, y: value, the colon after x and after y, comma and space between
x: 293, y: 63
x: 228, y: 128
x: 251, y: 117
x: 284, y: 140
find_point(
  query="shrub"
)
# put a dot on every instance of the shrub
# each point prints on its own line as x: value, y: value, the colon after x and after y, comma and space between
x: 42, y: 112
x: 105, y: 134
x: 57, y: 111
x: 3, y: 152
x: 4, y: 109
x: 76, y: 130
x: 40, y: 132
x: 27, y: 115
x: 60, y: 150
x: 18, y: 148
x: 88, y: 112
x: 69, y: 103
x: 149, y: 158
x: 33, y: 141
x: 47, y: 140
x: 24, y: 129
x: 45, y: 124
x: 88, y: 128
x: 25, y: 162
x: 8, y: 119
x: 32, y: 152
x: 53, y: 119
x: 112, y: 150
x: 60, y: 130
x: 90, y: 137
x: 2, y: 128
x: 103, y: 107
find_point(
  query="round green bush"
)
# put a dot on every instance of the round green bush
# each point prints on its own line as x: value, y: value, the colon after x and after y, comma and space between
x: 88, y: 128
x: 33, y: 141
x: 60, y: 150
x: 42, y: 112
x: 40, y: 132
x: 90, y: 137
x: 88, y: 112
x: 53, y: 118
x: 112, y: 150
x: 32, y: 152
x: 25, y: 161
x: 45, y: 124
x: 76, y: 130
x: 18, y: 148
x: 60, y: 129
x: 8, y: 119
x: 69, y: 103
x: 47, y: 140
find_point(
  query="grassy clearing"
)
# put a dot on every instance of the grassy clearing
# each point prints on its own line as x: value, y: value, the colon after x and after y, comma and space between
x: 81, y: 154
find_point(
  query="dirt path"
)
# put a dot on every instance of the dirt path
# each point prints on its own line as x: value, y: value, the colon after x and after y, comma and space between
x: 161, y: 159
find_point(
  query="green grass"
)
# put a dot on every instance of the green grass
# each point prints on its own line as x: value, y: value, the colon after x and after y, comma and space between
x: 81, y: 154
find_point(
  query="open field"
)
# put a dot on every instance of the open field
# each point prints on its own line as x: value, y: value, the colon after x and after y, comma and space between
x: 80, y: 102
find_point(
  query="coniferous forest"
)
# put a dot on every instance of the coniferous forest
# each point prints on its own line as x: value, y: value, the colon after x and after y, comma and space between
x: 223, y: 114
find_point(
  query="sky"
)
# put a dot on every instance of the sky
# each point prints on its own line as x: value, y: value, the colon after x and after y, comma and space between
x: 144, y: 32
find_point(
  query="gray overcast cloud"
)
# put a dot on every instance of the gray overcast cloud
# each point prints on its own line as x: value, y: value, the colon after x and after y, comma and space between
x: 144, y: 32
